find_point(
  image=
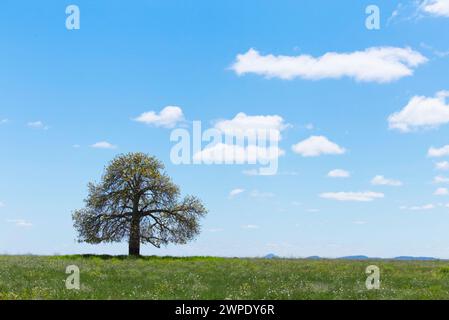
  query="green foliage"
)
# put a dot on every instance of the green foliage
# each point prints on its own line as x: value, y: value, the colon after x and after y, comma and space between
x: 107, y: 277
x: 136, y: 200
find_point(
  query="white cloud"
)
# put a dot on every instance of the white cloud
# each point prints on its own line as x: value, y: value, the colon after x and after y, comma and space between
x: 2, y: 204
x: 103, y: 145
x: 235, y: 192
x: 226, y: 153
x: 359, y: 222
x: 250, y: 227
x: 394, y: 14
x: 421, y: 112
x: 352, y: 196
x: 37, y: 125
x: 440, y: 179
x: 3, y: 121
x: 419, y: 208
x: 309, y: 126
x: 382, y: 181
x: 377, y: 64
x: 338, y: 173
x: 417, y: 9
x: 444, y: 165
x: 243, y: 123
x: 167, y: 117
x: 317, y: 145
x: 405, y: 12
x: 257, y: 141
x: 436, y: 7
x: 438, y: 152
x: 441, y: 192
x: 436, y: 52
x: 20, y: 223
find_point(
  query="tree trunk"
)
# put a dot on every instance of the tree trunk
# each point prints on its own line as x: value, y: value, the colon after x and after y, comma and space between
x: 134, y: 237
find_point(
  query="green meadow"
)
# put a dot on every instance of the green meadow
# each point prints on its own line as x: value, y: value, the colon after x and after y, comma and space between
x: 106, y: 277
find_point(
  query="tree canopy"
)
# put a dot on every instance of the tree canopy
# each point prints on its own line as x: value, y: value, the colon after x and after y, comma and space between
x: 136, y: 200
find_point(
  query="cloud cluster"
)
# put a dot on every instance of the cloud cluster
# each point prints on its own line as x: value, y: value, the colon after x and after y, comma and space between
x: 253, y: 129
x: 382, y: 181
x: 235, y: 192
x: 421, y: 112
x: 436, y: 7
x: 226, y: 153
x: 366, y: 196
x: 441, y: 179
x: 443, y: 165
x: 438, y: 152
x: 103, y: 145
x: 441, y: 192
x: 338, y: 173
x: 243, y: 123
x: 37, y: 125
x: 167, y: 117
x: 377, y: 64
x: 317, y: 145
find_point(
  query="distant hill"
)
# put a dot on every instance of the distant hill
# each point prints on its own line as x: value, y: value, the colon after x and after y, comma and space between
x: 405, y: 258
x: 271, y: 256
x: 356, y: 258
x: 362, y: 257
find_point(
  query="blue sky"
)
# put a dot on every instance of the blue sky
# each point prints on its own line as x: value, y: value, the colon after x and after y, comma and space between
x: 385, y: 108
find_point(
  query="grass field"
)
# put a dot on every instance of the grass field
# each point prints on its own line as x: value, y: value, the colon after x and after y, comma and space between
x: 104, y: 277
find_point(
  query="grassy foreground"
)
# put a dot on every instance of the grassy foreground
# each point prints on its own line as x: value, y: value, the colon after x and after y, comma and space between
x: 103, y: 277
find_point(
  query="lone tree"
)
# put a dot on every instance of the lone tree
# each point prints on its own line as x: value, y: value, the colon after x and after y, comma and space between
x: 136, y: 200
